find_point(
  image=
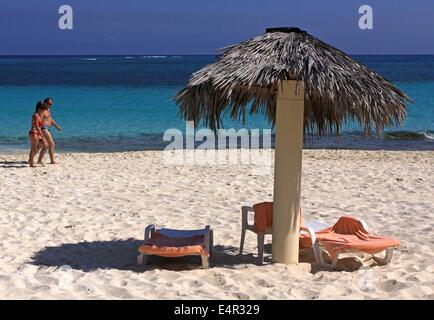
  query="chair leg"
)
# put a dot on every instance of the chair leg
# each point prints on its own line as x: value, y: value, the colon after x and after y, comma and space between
x: 243, y: 236
x: 142, y: 259
x: 205, y: 263
x: 318, y: 254
x: 387, y: 257
x: 261, y: 240
x: 335, y: 262
x: 211, y: 243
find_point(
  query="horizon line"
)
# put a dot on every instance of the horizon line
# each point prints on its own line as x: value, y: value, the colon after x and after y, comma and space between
x: 189, y: 54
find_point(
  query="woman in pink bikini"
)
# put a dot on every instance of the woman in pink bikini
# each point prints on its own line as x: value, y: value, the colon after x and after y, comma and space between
x: 37, y: 139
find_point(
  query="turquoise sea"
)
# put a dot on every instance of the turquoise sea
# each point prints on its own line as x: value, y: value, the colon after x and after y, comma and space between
x: 115, y: 103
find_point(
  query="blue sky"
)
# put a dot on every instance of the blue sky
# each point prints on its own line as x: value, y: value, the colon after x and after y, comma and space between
x: 202, y: 27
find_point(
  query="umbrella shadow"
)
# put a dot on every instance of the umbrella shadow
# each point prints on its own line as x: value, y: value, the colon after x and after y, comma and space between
x: 229, y: 257
x: 88, y: 256
x: 122, y: 255
x: 14, y: 164
x: 348, y: 264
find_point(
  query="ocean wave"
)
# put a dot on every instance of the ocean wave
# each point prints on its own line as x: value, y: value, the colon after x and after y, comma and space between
x: 429, y: 135
x: 407, y: 135
x: 89, y: 59
x: 128, y: 57
x: 154, y: 57
x: 13, y: 140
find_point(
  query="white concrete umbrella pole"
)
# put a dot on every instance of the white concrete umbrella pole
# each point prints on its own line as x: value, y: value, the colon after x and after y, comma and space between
x: 287, y: 171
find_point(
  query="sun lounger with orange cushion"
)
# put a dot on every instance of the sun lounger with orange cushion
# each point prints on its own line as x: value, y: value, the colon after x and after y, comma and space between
x: 349, y: 234
x: 176, y: 243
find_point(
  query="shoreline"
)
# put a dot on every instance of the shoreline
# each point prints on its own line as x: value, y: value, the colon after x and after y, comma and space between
x: 308, y: 150
x: 324, y: 152
x: 401, y: 140
x: 395, y: 146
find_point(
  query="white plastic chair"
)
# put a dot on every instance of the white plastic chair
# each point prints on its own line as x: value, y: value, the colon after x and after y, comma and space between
x: 310, y: 227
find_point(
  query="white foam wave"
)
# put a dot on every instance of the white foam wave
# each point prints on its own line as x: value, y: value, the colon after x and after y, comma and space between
x: 154, y: 56
x: 429, y: 135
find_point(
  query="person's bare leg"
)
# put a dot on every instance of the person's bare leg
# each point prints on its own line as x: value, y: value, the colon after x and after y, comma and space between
x: 43, y: 148
x: 34, y: 142
x: 32, y: 157
x: 51, y: 146
x: 51, y: 151
x: 33, y: 148
x: 42, y: 154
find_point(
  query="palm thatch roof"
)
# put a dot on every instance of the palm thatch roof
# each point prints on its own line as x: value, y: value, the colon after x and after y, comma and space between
x: 337, y: 88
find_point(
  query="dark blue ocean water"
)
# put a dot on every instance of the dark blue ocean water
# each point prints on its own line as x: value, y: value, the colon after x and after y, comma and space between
x: 124, y: 103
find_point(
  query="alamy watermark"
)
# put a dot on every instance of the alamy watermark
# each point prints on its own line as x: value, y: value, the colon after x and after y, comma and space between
x: 223, y: 147
x: 66, y: 277
x: 366, y: 21
x: 66, y: 20
x: 366, y: 280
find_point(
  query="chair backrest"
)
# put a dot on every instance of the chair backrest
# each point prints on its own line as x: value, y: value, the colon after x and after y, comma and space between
x: 264, y: 216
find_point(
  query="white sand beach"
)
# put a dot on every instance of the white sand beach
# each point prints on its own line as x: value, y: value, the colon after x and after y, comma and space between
x: 71, y: 230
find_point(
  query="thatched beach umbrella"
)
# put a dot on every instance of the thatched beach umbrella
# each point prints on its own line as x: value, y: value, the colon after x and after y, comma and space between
x: 302, y: 85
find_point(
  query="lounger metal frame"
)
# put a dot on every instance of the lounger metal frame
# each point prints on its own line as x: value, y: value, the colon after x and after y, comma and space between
x: 208, y: 234
x: 311, y: 228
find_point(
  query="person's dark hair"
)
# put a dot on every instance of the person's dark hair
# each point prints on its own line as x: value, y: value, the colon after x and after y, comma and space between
x: 46, y: 100
x: 39, y: 105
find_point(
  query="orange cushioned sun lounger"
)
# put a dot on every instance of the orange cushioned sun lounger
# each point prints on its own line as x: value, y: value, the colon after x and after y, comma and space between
x: 176, y: 243
x: 349, y: 234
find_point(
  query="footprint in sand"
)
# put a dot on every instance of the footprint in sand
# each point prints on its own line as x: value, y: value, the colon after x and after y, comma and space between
x: 116, y: 292
x: 191, y: 284
x: 261, y: 283
x: 240, y: 295
x: 391, y: 285
x: 217, y: 280
x: 47, y: 280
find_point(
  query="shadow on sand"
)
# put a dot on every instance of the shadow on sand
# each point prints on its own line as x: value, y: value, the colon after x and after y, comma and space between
x: 122, y: 255
x: 349, y: 264
x: 14, y: 164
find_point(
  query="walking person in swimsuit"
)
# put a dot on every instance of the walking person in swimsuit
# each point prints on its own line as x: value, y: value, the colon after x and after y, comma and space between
x: 37, y: 139
x: 47, y: 121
